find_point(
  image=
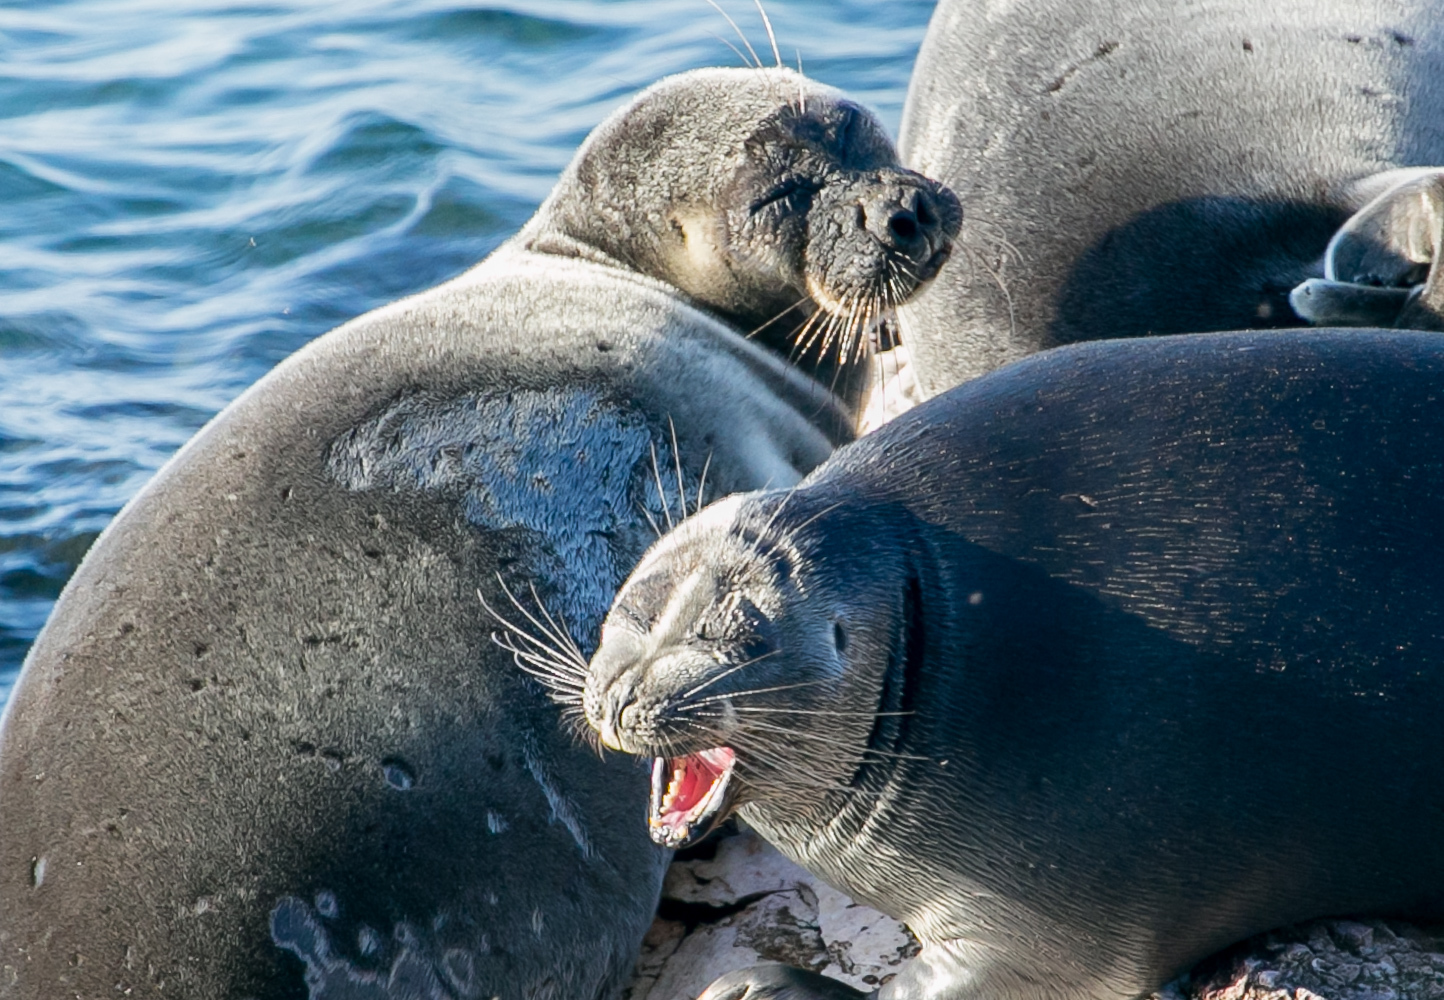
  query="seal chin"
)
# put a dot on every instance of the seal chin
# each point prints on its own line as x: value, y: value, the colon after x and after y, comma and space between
x: 691, y: 795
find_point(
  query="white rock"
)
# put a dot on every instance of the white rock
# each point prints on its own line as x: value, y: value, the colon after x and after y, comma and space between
x: 792, y: 918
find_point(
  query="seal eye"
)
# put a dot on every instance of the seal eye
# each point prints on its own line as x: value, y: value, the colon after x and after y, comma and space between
x: 839, y: 637
x: 794, y: 194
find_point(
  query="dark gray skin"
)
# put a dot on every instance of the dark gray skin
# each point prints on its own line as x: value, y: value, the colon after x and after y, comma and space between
x: 1085, y: 669
x: 1161, y: 167
x: 266, y: 746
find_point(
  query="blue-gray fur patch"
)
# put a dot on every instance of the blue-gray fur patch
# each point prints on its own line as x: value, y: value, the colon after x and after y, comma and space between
x: 562, y: 463
x: 331, y: 976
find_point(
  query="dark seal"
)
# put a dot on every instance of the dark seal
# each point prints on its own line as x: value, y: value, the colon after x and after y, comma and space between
x: 266, y: 747
x: 1160, y: 168
x: 1067, y: 668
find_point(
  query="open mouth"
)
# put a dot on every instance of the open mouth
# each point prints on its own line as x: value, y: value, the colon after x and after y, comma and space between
x: 690, y: 796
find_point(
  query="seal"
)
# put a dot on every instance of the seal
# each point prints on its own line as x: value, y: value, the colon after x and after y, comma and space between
x: 1160, y: 169
x: 266, y: 747
x: 1035, y: 666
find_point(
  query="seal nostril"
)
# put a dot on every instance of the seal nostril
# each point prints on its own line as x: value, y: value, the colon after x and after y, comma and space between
x: 925, y: 215
x: 904, y: 226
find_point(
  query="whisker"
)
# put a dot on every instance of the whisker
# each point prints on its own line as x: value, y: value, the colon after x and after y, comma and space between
x: 726, y: 673
x: 774, y: 319
x: 732, y: 47
x: 828, y: 741
x: 816, y: 711
x: 739, y: 32
x: 822, y: 513
x: 656, y: 529
x: 702, y: 481
x: 560, y: 630
x: 767, y: 23
x: 563, y: 654
x: 677, y: 459
x: 661, y: 493
x: 776, y: 513
x: 755, y: 691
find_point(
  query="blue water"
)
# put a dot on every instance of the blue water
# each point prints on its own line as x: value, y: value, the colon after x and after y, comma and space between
x: 192, y: 189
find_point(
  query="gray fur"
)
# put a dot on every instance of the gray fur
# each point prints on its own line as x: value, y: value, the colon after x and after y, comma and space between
x: 560, y: 463
x: 704, y: 213
x: 266, y: 745
x: 1085, y: 669
x: 1154, y: 167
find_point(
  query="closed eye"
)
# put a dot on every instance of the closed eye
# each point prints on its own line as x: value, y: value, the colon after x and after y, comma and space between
x: 788, y: 188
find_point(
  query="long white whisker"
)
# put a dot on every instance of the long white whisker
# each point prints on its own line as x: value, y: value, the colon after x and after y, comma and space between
x: 754, y: 691
x: 767, y: 23
x: 739, y: 32
x: 661, y: 493
x: 702, y: 481
x: 726, y: 673
x: 677, y: 460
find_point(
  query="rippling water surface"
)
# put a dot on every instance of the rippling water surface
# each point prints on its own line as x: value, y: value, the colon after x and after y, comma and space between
x: 189, y: 191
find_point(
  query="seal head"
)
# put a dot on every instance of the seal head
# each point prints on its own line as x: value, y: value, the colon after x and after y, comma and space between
x: 765, y: 197
x: 750, y: 678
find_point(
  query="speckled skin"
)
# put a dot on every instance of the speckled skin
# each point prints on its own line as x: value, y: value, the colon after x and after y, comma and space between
x: 1159, y: 166
x: 265, y: 746
x: 1085, y: 669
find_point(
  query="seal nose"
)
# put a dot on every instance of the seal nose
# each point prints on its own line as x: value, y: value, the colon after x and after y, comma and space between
x: 615, y: 702
x: 909, y: 220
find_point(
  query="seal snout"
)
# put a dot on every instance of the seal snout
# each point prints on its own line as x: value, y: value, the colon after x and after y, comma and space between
x: 914, y: 221
x: 691, y: 792
x: 874, y: 238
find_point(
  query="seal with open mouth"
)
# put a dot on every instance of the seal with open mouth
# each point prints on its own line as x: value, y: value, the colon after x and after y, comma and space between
x: 1085, y: 669
x: 265, y: 744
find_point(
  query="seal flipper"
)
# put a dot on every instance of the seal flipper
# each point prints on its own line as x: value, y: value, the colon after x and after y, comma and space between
x: 779, y: 982
x: 1380, y: 267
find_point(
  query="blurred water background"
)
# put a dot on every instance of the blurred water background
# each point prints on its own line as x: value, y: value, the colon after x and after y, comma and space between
x: 192, y: 189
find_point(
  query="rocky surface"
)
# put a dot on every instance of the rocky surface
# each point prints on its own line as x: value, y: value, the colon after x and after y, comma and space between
x: 738, y: 902
x: 1324, y: 960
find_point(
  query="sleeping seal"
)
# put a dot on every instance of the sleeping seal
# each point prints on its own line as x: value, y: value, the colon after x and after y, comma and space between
x: 1084, y: 669
x: 265, y: 746
x: 1159, y: 167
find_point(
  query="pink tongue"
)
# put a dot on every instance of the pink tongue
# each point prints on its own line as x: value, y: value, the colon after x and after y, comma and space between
x: 700, y: 772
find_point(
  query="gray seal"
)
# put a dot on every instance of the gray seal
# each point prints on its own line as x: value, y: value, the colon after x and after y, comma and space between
x: 1157, y: 168
x: 1070, y: 667
x: 266, y: 746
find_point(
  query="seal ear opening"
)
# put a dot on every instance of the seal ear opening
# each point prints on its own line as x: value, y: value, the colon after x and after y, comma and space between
x: 839, y: 637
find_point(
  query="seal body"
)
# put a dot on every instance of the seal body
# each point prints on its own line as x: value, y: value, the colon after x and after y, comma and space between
x: 266, y: 746
x: 1085, y: 669
x: 1156, y: 167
